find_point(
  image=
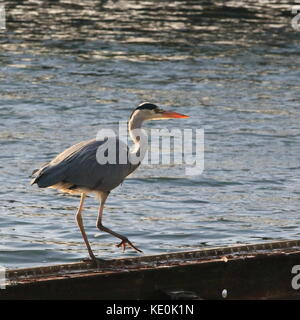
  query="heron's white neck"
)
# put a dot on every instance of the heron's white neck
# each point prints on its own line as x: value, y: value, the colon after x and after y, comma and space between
x: 138, y: 135
x: 134, y: 126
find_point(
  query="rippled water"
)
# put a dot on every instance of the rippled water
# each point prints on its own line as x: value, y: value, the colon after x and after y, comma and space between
x: 69, y: 68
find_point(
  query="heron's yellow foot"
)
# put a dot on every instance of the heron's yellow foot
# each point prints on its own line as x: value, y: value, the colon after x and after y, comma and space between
x: 125, y: 242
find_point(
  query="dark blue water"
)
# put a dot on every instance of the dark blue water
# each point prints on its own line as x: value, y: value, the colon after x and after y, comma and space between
x: 69, y: 70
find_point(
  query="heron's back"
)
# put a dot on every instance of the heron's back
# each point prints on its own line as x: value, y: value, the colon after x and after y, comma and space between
x: 77, y: 170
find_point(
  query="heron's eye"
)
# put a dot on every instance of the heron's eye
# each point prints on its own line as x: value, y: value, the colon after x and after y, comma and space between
x: 159, y: 110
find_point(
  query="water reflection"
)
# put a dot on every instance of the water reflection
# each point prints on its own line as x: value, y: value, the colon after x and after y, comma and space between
x: 183, y: 23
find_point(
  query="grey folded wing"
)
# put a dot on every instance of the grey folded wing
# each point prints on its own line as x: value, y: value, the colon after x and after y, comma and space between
x: 78, y: 166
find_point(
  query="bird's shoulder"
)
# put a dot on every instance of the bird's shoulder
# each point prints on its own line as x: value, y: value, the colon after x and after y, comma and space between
x: 85, y: 149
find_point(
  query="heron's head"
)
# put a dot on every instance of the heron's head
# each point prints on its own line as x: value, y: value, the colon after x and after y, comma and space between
x: 148, y: 111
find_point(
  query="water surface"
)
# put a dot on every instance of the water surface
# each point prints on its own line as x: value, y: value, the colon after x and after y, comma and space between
x: 71, y: 68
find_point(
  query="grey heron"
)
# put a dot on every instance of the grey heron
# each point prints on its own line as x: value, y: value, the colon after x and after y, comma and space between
x: 77, y: 171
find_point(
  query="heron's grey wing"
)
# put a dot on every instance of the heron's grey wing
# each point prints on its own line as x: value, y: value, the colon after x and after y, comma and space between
x: 85, y: 171
x: 78, y: 165
x: 53, y: 172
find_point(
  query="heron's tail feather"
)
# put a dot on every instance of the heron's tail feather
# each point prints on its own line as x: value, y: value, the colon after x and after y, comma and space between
x: 34, y: 172
x: 33, y: 181
x: 32, y: 175
x: 48, y: 176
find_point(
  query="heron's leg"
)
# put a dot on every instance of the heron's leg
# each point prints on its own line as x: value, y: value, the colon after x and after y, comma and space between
x: 101, y: 227
x: 81, y: 227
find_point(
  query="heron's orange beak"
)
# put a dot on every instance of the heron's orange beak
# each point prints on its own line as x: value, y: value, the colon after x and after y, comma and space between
x: 173, y: 115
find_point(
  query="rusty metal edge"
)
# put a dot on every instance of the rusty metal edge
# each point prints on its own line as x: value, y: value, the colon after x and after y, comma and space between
x: 134, y: 268
x: 59, y: 283
x: 161, y: 260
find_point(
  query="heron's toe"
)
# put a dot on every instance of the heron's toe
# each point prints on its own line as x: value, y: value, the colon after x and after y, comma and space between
x: 95, y: 261
x: 125, y: 242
